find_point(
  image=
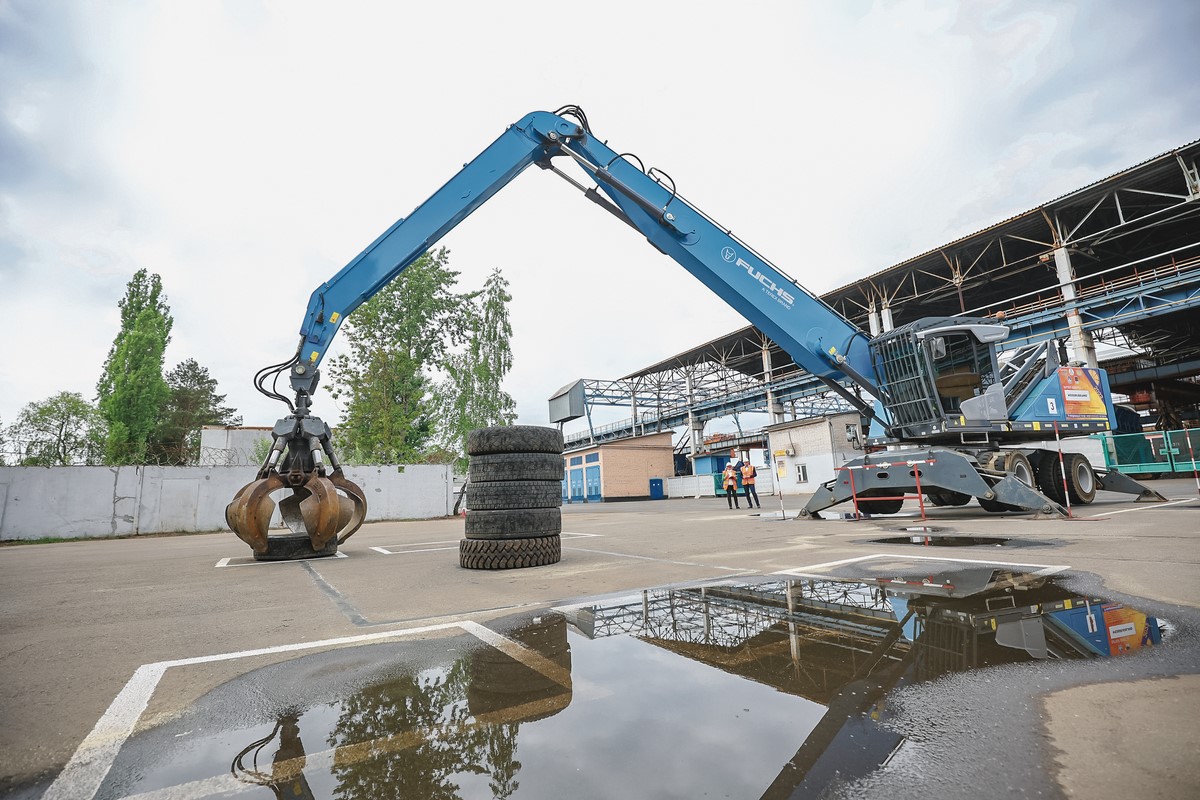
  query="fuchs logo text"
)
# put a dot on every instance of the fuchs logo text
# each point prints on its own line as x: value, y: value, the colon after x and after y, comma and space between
x: 781, y: 294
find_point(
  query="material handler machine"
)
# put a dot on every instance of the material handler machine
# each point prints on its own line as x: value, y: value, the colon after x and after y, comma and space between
x: 947, y: 416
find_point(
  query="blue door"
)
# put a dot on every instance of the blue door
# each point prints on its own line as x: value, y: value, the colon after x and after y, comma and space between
x: 593, y: 484
x: 577, y: 486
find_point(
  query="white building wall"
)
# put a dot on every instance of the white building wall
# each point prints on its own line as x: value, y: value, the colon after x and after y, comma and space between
x: 704, y: 486
x: 819, y: 445
x: 81, y: 502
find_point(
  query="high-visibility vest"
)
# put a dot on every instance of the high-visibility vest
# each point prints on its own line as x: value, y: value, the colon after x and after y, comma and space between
x: 730, y: 479
x: 748, y: 474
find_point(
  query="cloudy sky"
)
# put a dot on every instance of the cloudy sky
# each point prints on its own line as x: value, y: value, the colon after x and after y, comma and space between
x: 245, y: 151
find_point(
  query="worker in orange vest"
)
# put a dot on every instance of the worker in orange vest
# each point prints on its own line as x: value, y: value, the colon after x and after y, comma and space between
x: 749, y: 473
x: 729, y: 482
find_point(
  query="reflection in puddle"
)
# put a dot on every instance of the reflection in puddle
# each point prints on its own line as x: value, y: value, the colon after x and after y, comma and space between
x: 768, y: 689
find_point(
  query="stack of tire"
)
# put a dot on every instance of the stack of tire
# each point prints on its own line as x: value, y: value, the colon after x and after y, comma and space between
x: 514, y: 498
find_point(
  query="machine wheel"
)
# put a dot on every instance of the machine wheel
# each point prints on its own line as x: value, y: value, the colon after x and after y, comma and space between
x: 525, y: 523
x: 516, y: 467
x: 948, y: 497
x: 509, y: 553
x: 1050, y: 479
x: 869, y: 506
x: 294, y: 546
x: 1081, y: 479
x: 514, y: 439
x: 1017, y: 465
x: 501, y: 495
x: 992, y: 507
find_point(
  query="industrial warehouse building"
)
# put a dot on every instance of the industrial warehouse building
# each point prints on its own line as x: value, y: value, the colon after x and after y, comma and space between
x: 1115, y: 263
x: 629, y: 469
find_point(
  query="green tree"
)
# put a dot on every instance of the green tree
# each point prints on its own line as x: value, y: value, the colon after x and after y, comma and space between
x: 133, y: 407
x: 472, y: 393
x: 144, y: 291
x: 397, y: 340
x: 192, y: 403
x: 62, y: 430
x: 131, y: 392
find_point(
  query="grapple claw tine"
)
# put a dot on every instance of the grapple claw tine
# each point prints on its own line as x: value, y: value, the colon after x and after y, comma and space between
x: 351, y: 521
x: 323, y: 509
x: 291, y: 509
x: 320, y: 511
x: 249, y: 515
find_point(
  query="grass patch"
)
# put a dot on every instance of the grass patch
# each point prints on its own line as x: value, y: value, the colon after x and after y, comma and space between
x: 59, y: 539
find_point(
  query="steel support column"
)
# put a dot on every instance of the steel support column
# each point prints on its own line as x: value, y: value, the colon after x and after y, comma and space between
x: 774, y: 407
x: 1082, y: 347
x: 886, y: 315
x: 695, y: 427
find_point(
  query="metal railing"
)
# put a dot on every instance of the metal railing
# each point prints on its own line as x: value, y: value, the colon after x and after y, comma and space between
x: 1154, y: 452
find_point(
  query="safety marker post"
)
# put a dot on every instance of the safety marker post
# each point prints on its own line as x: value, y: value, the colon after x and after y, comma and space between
x: 1062, y: 468
x: 916, y: 473
x: 1192, y: 456
x: 853, y: 494
x: 920, y: 494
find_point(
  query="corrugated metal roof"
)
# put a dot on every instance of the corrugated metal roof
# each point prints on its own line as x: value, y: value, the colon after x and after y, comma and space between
x: 747, y: 337
x: 1035, y: 211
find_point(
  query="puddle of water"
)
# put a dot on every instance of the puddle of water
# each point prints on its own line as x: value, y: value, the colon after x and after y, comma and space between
x: 774, y: 688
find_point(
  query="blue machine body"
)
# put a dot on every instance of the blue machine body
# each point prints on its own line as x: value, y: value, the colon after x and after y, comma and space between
x: 920, y: 375
x: 816, y: 336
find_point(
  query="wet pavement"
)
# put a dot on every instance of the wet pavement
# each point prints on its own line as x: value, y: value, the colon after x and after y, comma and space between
x: 772, y: 689
x: 678, y: 650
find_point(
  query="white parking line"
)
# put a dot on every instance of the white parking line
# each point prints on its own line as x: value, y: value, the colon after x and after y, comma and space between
x: 452, y: 544
x: 663, y: 560
x: 1145, y: 508
x: 248, y: 561
x: 821, y: 570
x: 85, y: 772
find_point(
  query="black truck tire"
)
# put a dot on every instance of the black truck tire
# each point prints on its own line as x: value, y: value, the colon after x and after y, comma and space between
x: 509, y: 553
x: 1081, y: 478
x: 514, y: 439
x: 503, y: 495
x: 1050, y: 479
x: 948, y: 497
x: 294, y: 546
x: 869, y: 506
x: 1018, y: 466
x: 995, y: 507
x: 513, y: 523
x: 516, y: 467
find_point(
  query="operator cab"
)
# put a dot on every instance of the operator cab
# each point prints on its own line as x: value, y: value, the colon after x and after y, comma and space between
x: 933, y: 366
x: 961, y: 366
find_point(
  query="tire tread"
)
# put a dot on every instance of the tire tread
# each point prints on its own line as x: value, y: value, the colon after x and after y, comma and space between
x: 509, y: 553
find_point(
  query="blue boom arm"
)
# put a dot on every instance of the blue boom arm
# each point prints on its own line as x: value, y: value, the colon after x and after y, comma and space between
x: 816, y: 336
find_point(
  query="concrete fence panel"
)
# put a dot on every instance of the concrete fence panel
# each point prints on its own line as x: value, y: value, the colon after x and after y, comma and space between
x: 82, y: 502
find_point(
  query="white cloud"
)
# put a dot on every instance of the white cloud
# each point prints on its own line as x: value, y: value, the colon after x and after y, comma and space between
x: 246, y: 153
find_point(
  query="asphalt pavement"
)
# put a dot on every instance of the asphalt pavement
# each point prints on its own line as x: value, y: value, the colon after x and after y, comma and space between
x: 95, y: 635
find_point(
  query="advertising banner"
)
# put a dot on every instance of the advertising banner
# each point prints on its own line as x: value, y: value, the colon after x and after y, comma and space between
x: 1082, y: 397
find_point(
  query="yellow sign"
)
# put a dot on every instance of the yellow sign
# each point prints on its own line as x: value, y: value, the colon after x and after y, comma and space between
x: 1082, y: 396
